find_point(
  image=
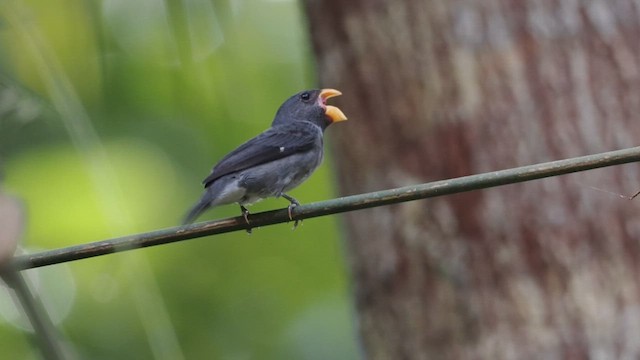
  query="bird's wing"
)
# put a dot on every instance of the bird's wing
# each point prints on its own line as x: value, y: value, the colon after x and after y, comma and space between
x: 273, y: 144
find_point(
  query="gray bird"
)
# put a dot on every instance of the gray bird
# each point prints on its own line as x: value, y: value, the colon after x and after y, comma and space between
x: 275, y: 161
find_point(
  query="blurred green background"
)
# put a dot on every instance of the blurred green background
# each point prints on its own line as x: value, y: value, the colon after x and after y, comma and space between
x: 111, y: 113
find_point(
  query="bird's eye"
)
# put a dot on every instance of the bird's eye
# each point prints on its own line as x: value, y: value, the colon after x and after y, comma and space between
x: 305, y: 96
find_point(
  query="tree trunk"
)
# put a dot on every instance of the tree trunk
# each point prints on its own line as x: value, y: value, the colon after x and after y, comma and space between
x: 439, y: 89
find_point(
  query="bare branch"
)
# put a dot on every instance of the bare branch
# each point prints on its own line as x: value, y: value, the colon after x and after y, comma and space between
x: 334, y: 206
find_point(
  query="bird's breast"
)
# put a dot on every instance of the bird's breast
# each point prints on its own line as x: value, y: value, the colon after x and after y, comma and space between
x: 275, y: 177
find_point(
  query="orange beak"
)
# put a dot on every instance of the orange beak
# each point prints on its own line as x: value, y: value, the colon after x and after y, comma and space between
x: 335, y: 114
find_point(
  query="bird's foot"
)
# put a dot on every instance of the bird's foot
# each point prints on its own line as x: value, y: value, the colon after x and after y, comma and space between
x: 293, y: 204
x: 245, y: 214
x: 296, y: 222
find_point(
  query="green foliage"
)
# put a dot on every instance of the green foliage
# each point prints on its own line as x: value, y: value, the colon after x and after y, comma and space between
x: 168, y: 87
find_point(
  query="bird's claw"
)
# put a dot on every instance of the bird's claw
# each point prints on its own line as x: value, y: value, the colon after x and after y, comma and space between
x: 293, y: 203
x: 289, y: 209
x: 245, y: 214
x: 295, y: 224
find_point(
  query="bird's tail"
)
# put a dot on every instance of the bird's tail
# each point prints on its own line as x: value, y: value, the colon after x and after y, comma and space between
x: 195, y: 211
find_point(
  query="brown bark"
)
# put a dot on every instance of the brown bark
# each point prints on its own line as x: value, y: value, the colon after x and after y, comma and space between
x: 437, y: 89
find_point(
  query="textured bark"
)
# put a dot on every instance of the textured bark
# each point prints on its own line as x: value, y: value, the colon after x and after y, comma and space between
x: 437, y: 89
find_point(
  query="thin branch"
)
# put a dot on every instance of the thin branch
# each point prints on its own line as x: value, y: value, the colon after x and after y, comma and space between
x: 339, y: 205
x: 46, y: 334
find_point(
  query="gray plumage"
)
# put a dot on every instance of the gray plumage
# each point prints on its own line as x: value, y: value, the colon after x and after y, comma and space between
x: 275, y: 161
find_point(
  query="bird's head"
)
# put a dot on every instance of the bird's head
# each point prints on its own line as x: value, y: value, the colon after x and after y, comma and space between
x: 310, y: 105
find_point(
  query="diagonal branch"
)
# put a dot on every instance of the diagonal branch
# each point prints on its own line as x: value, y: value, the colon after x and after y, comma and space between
x: 334, y: 206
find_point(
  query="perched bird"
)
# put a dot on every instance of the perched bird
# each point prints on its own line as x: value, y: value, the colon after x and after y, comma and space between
x: 275, y: 161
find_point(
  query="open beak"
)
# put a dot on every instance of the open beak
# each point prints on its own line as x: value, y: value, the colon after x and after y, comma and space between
x: 335, y: 114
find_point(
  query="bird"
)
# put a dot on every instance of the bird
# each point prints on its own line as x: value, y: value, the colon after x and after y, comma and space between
x: 275, y: 161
